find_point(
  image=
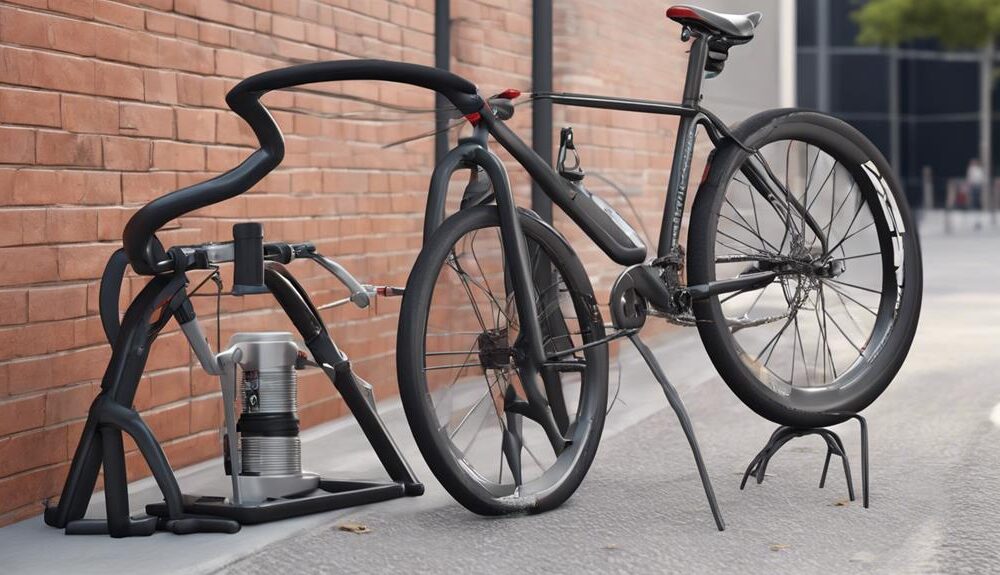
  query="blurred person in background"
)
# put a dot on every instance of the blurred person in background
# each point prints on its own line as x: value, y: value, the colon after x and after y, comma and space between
x: 975, y: 182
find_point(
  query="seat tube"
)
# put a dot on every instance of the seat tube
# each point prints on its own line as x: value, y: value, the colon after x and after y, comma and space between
x: 673, y: 211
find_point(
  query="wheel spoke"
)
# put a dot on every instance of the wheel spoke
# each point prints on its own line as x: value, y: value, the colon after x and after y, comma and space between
x: 843, y: 283
x: 842, y: 293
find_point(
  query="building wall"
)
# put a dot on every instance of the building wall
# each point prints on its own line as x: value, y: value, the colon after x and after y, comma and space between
x: 105, y: 105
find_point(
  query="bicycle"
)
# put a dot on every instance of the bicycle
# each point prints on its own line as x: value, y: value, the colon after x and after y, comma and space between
x: 798, y: 259
x: 822, y: 259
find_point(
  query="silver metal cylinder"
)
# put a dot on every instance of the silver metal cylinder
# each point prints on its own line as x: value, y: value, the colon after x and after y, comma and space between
x: 271, y: 455
x: 269, y: 442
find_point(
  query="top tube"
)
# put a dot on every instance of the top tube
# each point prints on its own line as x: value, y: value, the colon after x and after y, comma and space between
x: 147, y: 256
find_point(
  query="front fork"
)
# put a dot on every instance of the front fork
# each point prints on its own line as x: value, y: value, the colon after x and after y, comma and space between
x: 530, y: 345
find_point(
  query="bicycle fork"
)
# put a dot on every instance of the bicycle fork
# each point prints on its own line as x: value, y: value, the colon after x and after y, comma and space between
x: 535, y: 406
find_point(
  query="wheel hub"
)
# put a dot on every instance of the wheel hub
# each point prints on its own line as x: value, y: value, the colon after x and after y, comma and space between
x: 494, y: 350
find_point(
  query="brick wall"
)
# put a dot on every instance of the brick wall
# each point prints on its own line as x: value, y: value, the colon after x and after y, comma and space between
x: 105, y: 105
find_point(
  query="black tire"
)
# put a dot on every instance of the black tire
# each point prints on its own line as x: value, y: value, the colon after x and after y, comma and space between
x: 571, y: 465
x: 878, y: 360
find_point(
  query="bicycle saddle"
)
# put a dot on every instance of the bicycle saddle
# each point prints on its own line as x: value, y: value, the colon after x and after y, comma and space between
x: 717, y: 23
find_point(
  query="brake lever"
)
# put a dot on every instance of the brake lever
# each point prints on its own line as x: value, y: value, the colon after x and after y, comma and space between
x: 360, y: 295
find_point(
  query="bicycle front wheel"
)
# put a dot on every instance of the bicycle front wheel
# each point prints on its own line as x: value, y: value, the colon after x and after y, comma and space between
x: 461, y: 359
x: 833, y: 327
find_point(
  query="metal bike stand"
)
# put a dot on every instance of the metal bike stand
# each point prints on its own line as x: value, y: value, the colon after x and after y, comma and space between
x: 678, y: 406
x: 834, y: 446
x: 629, y: 310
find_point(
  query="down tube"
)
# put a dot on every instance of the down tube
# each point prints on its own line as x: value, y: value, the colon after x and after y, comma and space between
x: 680, y: 170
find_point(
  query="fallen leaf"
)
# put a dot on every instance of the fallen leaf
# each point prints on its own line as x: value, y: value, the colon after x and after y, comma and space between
x: 778, y: 547
x: 612, y: 547
x: 357, y: 528
x: 842, y: 503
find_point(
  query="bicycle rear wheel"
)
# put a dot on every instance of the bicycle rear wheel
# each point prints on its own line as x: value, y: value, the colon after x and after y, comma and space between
x: 830, y: 331
x: 459, y: 361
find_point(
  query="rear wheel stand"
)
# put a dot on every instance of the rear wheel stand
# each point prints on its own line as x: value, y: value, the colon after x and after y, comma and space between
x: 834, y: 446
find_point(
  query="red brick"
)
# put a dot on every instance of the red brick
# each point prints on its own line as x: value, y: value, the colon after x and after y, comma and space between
x: 40, y: 187
x: 183, y: 55
x: 76, y: 366
x: 212, y: 34
x: 12, y: 227
x: 82, y: 8
x: 51, y: 225
x: 178, y: 156
x: 129, y: 154
x: 91, y: 115
x: 21, y: 513
x: 61, y: 302
x: 29, y: 107
x: 142, y: 187
x: 32, y: 449
x: 195, y: 125
x: 206, y: 413
x: 46, y: 31
x: 193, y: 449
x: 21, y: 414
x: 161, y: 23
x: 169, y: 386
x: 33, y: 486
x: 126, y: 46
x: 111, y: 222
x: 63, y: 149
x: 17, y: 145
x: 118, y: 81
x: 25, y: 265
x: 13, y: 308
x: 161, y: 86
x: 119, y: 14
x: 147, y: 120
x: 77, y: 262
x: 231, y: 129
x: 288, y: 28
x: 46, y: 70
x: 169, y: 422
x: 69, y: 403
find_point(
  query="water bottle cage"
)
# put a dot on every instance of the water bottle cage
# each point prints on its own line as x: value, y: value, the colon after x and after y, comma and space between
x: 573, y: 173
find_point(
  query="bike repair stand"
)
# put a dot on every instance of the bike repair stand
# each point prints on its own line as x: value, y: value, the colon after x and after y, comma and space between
x: 628, y: 315
x: 112, y: 414
x: 834, y: 446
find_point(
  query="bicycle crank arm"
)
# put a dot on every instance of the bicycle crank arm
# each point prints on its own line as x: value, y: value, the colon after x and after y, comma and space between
x: 747, y: 282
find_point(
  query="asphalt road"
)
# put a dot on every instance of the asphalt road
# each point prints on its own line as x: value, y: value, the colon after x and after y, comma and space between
x: 935, y: 474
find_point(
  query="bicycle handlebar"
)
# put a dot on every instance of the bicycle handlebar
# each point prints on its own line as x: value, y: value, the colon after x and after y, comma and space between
x: 147, y: 256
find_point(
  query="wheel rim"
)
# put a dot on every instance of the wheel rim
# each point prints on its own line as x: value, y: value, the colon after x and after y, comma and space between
x: 471, y: 367
x: 820, y: 324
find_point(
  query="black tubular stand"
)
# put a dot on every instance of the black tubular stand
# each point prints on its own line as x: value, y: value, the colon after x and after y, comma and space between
x: 834, y: 446
x: 112, y: 413
x: 675, y: 402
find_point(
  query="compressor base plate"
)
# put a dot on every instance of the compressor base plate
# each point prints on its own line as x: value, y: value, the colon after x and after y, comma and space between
x: 330, y: 495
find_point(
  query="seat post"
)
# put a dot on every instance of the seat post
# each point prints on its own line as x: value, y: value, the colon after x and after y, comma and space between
x: 698, y: 57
